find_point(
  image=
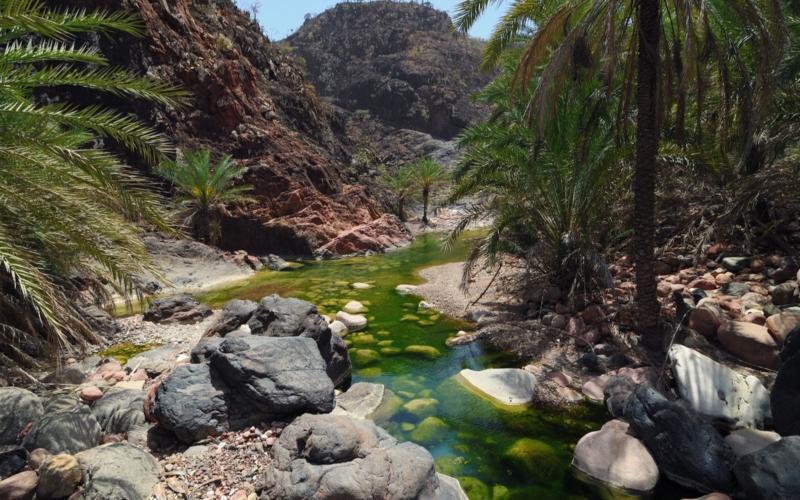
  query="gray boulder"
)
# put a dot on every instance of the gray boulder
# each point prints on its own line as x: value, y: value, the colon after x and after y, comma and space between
x: 60, y: 402
x: 274, y: 263
x: 241, y: 381
x: 118, y: 471
x: 155, y: 361
x: 234, y: 314
x: 367, y: 400
x: 771, y: 472
x: 120, y: 410
x: 330, y: 457
x: 616, y: 393
x: 686, y: 448
x: 192, y: 403
x: 19, y: 408
x: 65, y: 432
x: 178, y: 309
x: 275, y: 316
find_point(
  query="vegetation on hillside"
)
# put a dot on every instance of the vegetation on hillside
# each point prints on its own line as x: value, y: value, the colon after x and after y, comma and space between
x: 420, y: 179
x: 205, y: 190
x: 682, y: 83
x: 70, y: 213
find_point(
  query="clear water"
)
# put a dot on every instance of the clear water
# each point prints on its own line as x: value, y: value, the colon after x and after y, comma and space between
x: 497, y: 452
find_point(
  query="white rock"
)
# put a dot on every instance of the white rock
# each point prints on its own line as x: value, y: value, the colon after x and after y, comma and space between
x: 405, y: 289
x: 717, y: 391
x: 617, y: 459
x: 353, y: 322
x: 338, y: 328
x: 354, y: 307
x: 453, y: 488
x: 367, y: 400
x: 746, y: 441
x: 424, y: 305
x: 510, y: 386
x: 130, y: 384
x: 361, y: 286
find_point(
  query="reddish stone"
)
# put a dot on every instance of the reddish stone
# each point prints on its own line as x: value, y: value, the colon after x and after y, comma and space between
x: 20, y: 486
x: 757, y: 265
x: 779, y: 325
x: 750, y: 342
x: 723, y: 278
x: 593, y: 314
x: 704, y: 284
x: 91, y: 394
x: 109, y: 366
x: 705, y: 320
x: 575, y: 326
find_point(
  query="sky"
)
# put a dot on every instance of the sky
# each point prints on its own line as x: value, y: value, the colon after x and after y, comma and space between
x: 280, y: 18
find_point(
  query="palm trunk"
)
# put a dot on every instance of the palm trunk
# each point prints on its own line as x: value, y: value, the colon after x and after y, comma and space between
x: 647, y: 137
x: 401, y: 209
x: 425, y: 195
x: 202, y: 225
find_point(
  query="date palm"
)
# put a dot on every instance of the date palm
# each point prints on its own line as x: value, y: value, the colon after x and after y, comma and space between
x: 402, y: 184
x: 67, y: 210
x: 640, y: 47
x: 205, y: 190
x: 428, y: 175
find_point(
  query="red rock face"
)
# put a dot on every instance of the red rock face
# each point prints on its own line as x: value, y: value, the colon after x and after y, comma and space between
x: 251, y: 99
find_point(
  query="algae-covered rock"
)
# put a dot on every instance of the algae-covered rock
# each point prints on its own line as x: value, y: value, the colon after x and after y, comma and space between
x: 431, y: 430
x: 364, y: 357
x: 452, y: 465
x: 426, y: 351
x: 390, y: 351
x: 362, y: 339
x: 475, y: 488
x: 535, y: 459
x: 422, y: 407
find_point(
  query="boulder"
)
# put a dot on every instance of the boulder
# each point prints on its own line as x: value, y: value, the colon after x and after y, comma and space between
x: 20, y: 486
x: 713, y: 389
x: 244, y: 381
x: 510, y: 386
x: 353, y: 322
x: 749, y: 342
x: 275, y: 263
x: 178, y: 309
x: 615, y: 394
x: 12, y: 460
x: 279, y: 317
x: 120, y: 410
x: 405, y: 289
x: 234, y: 314
x: 65, y: 432
x: 60, y: 403
x: 329, y: 457
x: 118, y: 471
x: 785, y: 395
x: 59, y: 477
x: 338, y: 328
x: 686, y: 448
x: 735, y: 264
x: 771, y: 472
x: 155, y: 361
x: 354, y: 307
x: 616, y: 459
x: 20, y: 408
x: 367, y: 400
x: 91, y: 394
x: 779, y: 325
x: 746, y: 441
x: 706, y: 319
x: 785, y: 293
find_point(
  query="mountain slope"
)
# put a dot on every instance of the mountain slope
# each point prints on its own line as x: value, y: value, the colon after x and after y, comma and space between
x: 250, y: 99
x: 400, y: 60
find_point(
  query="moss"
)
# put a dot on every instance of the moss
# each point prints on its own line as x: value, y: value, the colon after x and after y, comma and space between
x: 422, y: 407
x: 364, y: 357
x: 475, y: 488
x: 535, y: 459
x: 362, y: 339
x: 452, y: 465
x: 430, y: 431
x: 390, y: 351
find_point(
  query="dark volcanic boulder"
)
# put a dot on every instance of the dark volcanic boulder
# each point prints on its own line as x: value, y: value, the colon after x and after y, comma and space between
x: 785, y: 395
x: 616, y: 393
x: 65, y: 432
x: 771, y: 472
x: 178, y: 309
x: 120, y: 410
x: 118, y: 471
x: 12, y: 460
x: 241, y: 381
x: 19, y: 408
x: 275, y: 316
x: 686, y: 448
x: 336, y: 457
x: 234, y: 314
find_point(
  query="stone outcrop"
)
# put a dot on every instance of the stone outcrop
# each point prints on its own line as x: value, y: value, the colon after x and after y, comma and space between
x: 178, y: 309
x: 20, y: 408
x: 118, y: 471
x: 243, y: 380
x: 771, y: 472
x: 65, y: 432
x: 330, y: 457
x: 251, y: 100
x: 401, y: 61
x: 274, y: 316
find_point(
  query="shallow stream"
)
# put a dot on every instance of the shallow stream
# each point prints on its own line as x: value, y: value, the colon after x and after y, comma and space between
x: 497, y: 452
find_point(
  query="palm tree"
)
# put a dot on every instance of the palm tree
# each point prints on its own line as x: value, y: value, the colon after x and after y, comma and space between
x: 403, y: 186
x: 205, y: 190
x: 428, y: 175
x: 67, y: 210
x: 741, y: 42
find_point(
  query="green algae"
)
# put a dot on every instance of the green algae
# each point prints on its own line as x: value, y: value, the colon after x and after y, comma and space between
x: 125, y: 351
x: 475, y: 428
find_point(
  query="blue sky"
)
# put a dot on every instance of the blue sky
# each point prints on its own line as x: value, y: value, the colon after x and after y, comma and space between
x: 282, y: 17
